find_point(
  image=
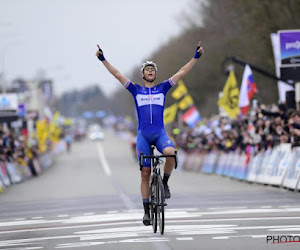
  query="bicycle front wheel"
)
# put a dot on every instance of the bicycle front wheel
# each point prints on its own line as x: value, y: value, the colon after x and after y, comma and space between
x: 160, y: 205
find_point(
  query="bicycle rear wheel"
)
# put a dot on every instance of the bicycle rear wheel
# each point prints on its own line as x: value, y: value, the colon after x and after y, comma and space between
x: 160, y: 205
x: 153, y: 202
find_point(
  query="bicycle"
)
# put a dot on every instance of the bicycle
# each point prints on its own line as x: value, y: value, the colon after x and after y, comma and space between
x: 157, y: 191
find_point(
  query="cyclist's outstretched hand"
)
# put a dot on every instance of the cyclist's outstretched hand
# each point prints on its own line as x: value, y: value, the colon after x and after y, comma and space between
x: 199, y: 50
x: 99, y: 53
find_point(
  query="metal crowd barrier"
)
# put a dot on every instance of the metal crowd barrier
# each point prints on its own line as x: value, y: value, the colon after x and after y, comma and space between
x: 278, y: 167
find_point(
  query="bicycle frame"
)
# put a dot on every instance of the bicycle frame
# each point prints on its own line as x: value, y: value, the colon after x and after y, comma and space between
x: 157, y: 193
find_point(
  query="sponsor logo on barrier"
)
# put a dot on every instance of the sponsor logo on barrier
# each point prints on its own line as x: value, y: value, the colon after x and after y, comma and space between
x: 276, y: 239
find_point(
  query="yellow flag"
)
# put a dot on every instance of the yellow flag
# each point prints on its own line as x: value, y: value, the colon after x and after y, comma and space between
x: 56, y: 116
x: 170, y: 113
x: 229, y: 100
x: 185, y: 102
x: 42, y: 128
x: 180, y: 90
x: 68, y: 121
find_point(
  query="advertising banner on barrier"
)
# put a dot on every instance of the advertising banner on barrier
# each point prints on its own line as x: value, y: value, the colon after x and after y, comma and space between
x: 274, y: 165
x: 60, y: 147
x: 201, y: 159
x: 221, y: 163
x: 46, y: 160
x: 234, y: 164
x: 23, y: 171
x: 188, y: 162
x: 241, y: 167
x: 1, y: 186
x: 4, y: 175
x: 198, y: 161
x: 298, y: 185
x: 278, y: 171
x: 292, y: 175
x: 260, y: 178
x: 15, y: 177
x: 209, y: 163
x: 205, y: 165
x: 228, y: 163
x: 254, y: 167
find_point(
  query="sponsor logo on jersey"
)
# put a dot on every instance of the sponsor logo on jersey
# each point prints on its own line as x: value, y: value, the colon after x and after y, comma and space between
x: 157, y: 99
x: 154, y: 90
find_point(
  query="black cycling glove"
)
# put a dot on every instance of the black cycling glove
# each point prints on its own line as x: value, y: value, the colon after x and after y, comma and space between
x: 197, y: 54
x: 101, y: 56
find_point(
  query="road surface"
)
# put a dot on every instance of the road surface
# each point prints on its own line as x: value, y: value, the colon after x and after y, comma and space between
x: 90, y: 199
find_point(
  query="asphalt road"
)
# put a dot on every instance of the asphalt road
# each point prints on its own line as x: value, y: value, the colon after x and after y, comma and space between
x: 90, y: 199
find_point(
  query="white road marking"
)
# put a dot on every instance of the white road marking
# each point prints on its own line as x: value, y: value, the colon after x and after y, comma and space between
x: 234, y: 219
x: 25, y: 222
x: 66, y: 227
x: 222, y: 208
x: 128, y: 203
x: 134, y: 222
x: 112, y: 212
x: 251, y: 210
x: 17, y: 242
x: 287, y: 206
x: 185, y: 238
x: 254, y: 236
x: 28, y: 248
x: 63, y: 215
x: 221, y: 238
x: 120, y: 227
x: 103, y: 160
x: 239, y: 236
x: 80, y: 244
x: 145, y: 240
x: 87, y: 214
x: 180, y: 209
x: 293, y: 228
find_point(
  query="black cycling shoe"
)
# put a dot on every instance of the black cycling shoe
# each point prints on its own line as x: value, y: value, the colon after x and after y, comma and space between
x: 167, y: 191
x: 146, y: 220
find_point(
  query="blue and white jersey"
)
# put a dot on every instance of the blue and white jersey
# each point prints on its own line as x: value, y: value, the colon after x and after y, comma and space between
x: 150, y: 102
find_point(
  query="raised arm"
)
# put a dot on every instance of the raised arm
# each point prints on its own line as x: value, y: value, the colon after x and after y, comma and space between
x: 122, y: 79
x: 187, y: 67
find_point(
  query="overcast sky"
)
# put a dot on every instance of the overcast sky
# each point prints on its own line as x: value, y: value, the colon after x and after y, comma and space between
x: 60, y: 37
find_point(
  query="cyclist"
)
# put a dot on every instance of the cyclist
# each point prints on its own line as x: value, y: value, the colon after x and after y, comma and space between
x: 149, y: 100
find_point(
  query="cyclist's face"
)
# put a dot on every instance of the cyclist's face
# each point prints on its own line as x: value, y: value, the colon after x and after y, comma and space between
x: 149, y: 72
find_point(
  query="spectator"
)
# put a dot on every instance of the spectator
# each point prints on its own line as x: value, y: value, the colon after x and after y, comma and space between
x: 294, y: 128
x: 282, y: 112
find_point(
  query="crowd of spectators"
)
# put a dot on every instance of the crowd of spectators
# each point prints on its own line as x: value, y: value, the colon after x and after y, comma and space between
x: 15, y: 148
x: 263, y: 128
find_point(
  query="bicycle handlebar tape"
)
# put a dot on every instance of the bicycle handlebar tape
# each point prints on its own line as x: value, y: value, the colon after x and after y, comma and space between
x: 101, y: 56
x: 197, y: 54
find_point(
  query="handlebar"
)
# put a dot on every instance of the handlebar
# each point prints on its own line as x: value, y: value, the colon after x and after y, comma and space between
x: 142, y: 157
